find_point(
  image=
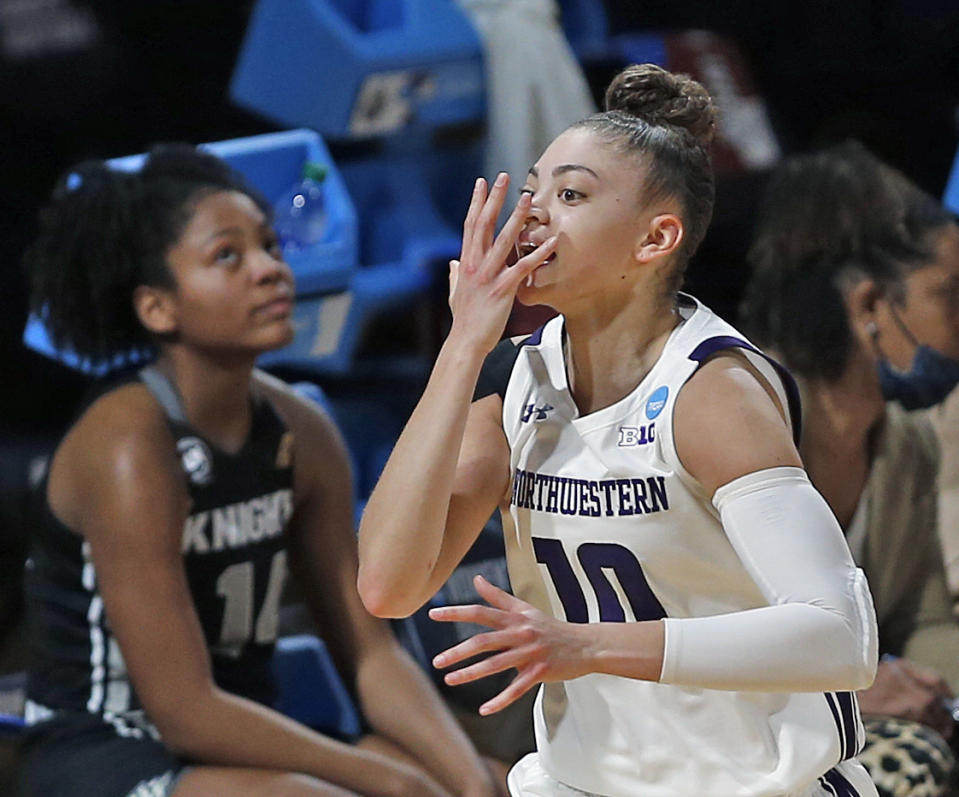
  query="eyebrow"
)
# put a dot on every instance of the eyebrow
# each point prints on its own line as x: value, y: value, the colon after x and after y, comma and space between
x: 234, y: 229
x: 223, y: 231
x: 564, y: 168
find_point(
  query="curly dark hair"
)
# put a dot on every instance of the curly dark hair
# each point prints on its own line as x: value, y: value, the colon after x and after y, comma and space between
x: 829, y: 219
x: 107, y: 231
x: 669, y: 120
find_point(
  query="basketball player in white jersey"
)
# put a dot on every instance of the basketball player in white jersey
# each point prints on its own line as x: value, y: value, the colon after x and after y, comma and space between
x: 683, y: 595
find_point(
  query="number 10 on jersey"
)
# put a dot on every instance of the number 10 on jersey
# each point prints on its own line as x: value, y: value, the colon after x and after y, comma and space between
x: 613, y: 574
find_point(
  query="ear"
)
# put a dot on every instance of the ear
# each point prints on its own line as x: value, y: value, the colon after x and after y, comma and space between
x: 661, y: 238
x: 156, y: 309
x: 862, y: 304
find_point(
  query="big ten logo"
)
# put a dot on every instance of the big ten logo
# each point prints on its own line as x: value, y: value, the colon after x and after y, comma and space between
x: 636, y: 435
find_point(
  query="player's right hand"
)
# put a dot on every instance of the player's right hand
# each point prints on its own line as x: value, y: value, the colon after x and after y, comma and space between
x: 482, y: 283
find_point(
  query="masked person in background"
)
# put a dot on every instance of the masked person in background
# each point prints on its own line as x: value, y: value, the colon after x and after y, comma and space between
x: 854, y: 286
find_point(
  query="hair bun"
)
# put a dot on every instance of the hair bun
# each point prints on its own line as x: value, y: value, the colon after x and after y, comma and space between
x: 664, y: 98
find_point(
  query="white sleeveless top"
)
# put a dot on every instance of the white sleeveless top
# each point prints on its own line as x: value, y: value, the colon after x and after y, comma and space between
x: 605, y: 524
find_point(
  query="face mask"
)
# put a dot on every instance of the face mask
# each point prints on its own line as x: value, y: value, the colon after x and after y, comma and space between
x: 930, y: 378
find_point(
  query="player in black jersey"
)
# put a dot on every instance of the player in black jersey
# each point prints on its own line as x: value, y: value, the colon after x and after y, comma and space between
x: 172, y: 507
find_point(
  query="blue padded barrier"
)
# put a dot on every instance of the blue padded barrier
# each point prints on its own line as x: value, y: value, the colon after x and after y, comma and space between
x: 359, y: 68
x: 272, y: 163
x: 310, y: 688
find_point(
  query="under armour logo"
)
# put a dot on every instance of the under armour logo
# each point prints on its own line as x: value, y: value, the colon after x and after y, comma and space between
x: 540, y: 412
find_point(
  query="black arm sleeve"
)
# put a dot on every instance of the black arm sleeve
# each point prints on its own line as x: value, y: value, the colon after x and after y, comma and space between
x: 496, y: 370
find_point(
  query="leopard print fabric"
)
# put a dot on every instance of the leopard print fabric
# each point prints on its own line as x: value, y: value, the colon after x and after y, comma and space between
x: 908, y: 759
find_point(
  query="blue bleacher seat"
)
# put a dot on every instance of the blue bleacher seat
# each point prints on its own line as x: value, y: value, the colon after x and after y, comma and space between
x: 390, y: 73
x: 310, y: 688
x: 359, y: 68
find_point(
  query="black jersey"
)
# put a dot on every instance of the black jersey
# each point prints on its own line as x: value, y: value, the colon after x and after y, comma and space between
x: 235, y: 560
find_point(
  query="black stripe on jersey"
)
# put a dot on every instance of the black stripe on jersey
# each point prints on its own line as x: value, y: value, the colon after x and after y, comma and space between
x: 836, y: 784
x: 850, y: 712
x: 834, y: 708
x: 844, y: 710
x: 498, y: 365
x: 719, y: 343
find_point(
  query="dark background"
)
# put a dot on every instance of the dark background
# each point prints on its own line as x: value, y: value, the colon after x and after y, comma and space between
x: 85, y: 79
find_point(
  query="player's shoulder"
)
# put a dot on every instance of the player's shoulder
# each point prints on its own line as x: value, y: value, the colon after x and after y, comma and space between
x: 119, y: 444
x: 296, y: 410
x: 123, y: 417
x: 728, y: 421
x: 317, y: 440
x: 727, y: 379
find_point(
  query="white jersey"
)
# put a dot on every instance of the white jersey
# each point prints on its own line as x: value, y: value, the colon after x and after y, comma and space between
x: 604, y: 524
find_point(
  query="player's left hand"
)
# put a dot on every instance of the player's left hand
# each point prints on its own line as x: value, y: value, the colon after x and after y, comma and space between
x: 540, y: 648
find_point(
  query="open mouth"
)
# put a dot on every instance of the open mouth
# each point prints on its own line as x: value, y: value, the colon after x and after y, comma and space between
x: 524, y: 248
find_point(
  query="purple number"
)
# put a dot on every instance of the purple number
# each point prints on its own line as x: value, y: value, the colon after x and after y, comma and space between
x: 550, y: 553
x: 595, y: 557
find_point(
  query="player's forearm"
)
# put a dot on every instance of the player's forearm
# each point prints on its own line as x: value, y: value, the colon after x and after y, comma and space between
x: 790, y: 647
x: 774, y: 648
x: 401, y: 533
x: 392, y: 688
x: 223, y: 729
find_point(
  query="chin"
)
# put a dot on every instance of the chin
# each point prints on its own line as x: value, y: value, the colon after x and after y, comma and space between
x: 282, y: 337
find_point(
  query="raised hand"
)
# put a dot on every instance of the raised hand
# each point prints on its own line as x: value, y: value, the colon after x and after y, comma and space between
x: 541, y: 648
x: 482, y: 283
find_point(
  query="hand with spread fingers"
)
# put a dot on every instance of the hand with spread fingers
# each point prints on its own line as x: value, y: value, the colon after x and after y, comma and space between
x: 540, y: 647
x: 482, y: 282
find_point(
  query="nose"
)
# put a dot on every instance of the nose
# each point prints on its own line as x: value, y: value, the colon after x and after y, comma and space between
x: 267, y: 268
x: 537, y: 211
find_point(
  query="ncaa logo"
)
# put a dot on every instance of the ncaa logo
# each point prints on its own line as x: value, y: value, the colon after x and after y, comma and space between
x: 195, y: 458
x: 656, y: 402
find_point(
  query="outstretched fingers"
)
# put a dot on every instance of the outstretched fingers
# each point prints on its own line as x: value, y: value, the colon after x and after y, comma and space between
x: 497, y: 597
x: 480, y: 226
x: 519, y: 686
x: 477, y: 200
x: 505, y: 660
x: 469, y: 613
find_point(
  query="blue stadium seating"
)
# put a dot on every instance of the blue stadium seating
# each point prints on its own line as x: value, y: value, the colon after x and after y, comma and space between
x: 359, y: 68
x: 310, y: 689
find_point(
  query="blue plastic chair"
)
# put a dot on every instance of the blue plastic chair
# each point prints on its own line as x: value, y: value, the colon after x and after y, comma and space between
x: 391, y: 71
x: 360, y: 68
x: 310, y: 688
